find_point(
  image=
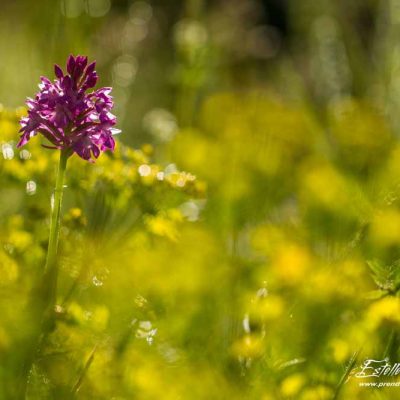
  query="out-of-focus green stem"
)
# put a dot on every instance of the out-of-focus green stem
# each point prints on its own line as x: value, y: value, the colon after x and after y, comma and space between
x: 51, y: 268
x: 346, y: 374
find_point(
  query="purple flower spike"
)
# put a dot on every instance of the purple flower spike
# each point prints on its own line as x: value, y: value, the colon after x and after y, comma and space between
x: 67, y: 116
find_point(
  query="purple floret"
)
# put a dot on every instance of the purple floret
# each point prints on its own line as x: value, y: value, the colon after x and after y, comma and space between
x: 67, y: 116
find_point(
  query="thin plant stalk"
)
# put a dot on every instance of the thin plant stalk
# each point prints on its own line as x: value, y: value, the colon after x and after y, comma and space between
x: 51, y: 267
x: 42, y: 309
x: 346, y: 375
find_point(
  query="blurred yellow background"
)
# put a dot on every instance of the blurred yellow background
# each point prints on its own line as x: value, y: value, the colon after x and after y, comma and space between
x: 243, y: 240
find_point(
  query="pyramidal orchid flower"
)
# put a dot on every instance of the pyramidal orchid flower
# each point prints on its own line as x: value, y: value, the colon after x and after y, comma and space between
x: 74, y: 118
x: 70, y: 116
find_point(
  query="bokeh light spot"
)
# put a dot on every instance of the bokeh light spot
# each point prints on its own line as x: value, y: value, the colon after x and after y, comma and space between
x: 72, y: 8
x: 98, y: 8
x: 31, y: 187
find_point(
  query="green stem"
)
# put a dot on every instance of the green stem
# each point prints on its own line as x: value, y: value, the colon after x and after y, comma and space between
x: 41, y: 310
x: 346, y: 374
x: 391, y: 345
x: 51, y: 268
x: 82, y: 375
